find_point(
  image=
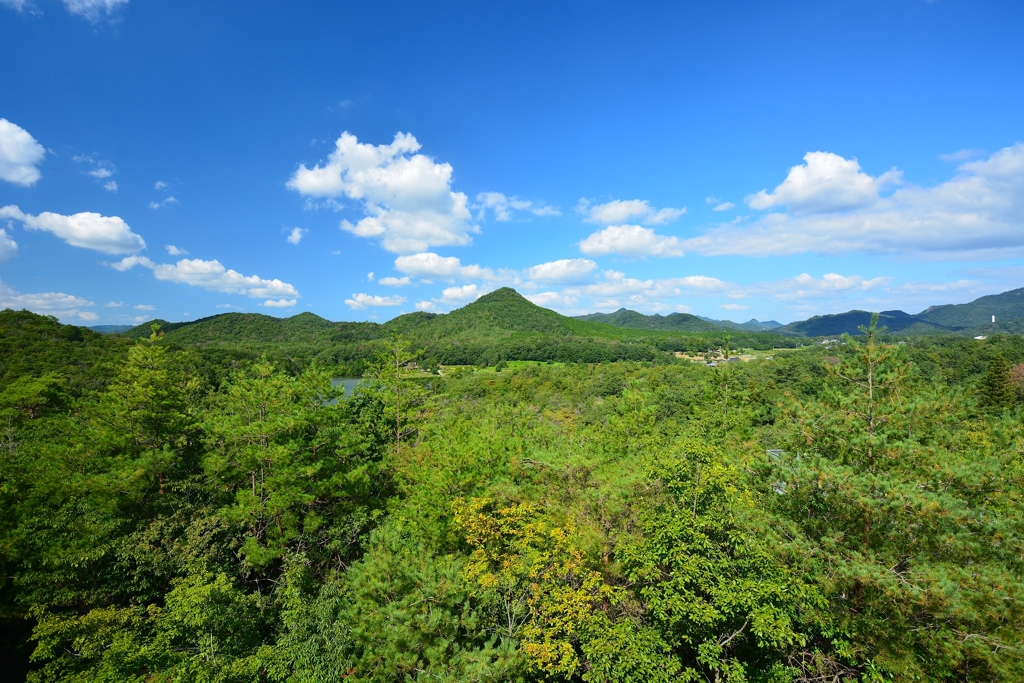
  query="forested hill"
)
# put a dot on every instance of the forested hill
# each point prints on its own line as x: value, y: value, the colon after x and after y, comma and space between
x: 501, y: 325
x: 624, y: 317
x: 1006, y: 307
x: 970, y: 318
x: 851, y: 322
x: 752, y: 325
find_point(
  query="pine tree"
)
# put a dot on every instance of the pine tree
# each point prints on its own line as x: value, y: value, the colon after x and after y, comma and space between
x: 996, y: 391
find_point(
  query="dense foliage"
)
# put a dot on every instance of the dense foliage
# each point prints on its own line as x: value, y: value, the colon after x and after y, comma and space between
x: 853, y: 513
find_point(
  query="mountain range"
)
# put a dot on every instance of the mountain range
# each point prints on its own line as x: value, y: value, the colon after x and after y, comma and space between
x: 505, y: 312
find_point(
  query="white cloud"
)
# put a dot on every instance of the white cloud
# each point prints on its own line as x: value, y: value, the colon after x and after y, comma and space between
x: 59, y: 304
x: 212, y: 276
x: 407, y: 197
x: 424, y: 305
x: 93, y: 10
x: 616, y: 284
x: 724, y: 206
x: 563, y: 271
x: 295, y: 236
x: 979, y: 213
x: 826, y: 182
x: 503, y: 206
x: 458, y: 294
x: 630, y: 240
x: 175, y: 251
x: 395, y: 281
x: 16, y: 5
x: 114, y: 304
x: 101, y: 173
x: 160, y: 185
x: 545, y: 298
x: 280, y: 303
x: 106, y: 234
x: 144, y: 307
x: 165, y: 202
x: 230, y: 307
x: 734, y: 307
x: 20, y: 154
x: 8, y: 247
x: 369, y: 276
x: 111, y: 186
x: 621, y: 211
x: 361, y: 301
x: 429, y: 264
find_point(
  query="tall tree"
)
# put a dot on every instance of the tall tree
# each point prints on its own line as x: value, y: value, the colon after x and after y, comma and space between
x: 899, y: 514
x: 996, y: 389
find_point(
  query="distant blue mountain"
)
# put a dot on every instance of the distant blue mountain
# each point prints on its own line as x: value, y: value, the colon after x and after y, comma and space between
x: 111, y: 329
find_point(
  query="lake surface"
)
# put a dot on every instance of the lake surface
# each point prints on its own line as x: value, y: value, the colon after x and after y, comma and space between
x: 349, y: 383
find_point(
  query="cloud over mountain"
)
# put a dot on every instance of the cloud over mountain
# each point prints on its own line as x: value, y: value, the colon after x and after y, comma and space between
x: 212, y: 276
x: 407, y: 197
x: 88, y: 230
x: 829, y: 206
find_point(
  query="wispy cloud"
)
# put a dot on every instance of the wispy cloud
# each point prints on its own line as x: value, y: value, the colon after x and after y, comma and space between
x: 620, y: 211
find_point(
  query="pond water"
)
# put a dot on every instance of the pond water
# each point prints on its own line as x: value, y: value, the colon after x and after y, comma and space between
x: 349, y: 383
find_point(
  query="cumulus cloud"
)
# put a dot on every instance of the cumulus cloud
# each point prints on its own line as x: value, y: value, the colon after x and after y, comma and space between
x: 93, y: 10
x: 279, y: 303
x: 175, y: 251
x: 212, y: 276
x: 825, y: 182
x: 110, y: 186
x: 734, y: 307
x: 144, y: 307
x: 459, y: 294
x: 59, y: 304
x: 8, y: 247
x: 425, y: 305
x: 979, y: 213
x: 395, y: 281
x: 407, y: 197
x: 429, y: 264
x: 724, y: 206
x: 563, y: 271
x: 101, y: 173
x: 295, y: 236
x: 20, y: 154
x: 106, y: 234
x: 630, y: 240
x: 503, y: 206
x: 545, y: 299
x: 160, y: 185
x: 360, y: 301
x: 621, y: 211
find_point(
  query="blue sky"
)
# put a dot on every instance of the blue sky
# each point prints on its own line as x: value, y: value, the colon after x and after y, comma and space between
x: 365, y: 159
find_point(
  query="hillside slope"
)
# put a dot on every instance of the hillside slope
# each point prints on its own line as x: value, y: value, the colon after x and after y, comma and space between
x: 677, y: 322
x: 1005, y: 307
x: 970, y: 318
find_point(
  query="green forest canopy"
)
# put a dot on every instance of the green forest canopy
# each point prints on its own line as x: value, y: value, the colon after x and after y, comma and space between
x: 181, y: 509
